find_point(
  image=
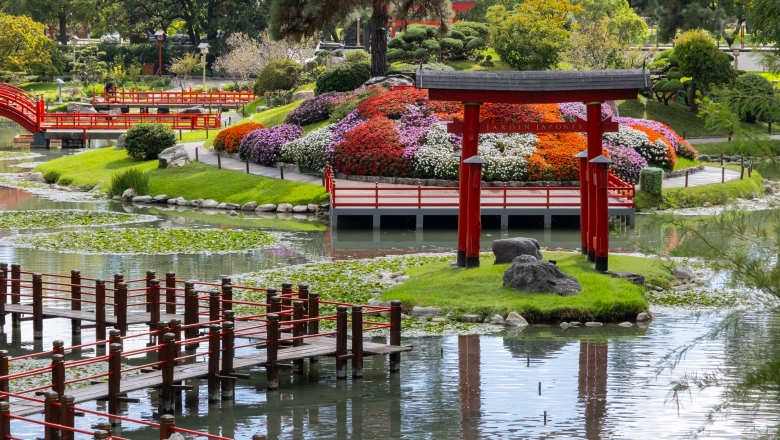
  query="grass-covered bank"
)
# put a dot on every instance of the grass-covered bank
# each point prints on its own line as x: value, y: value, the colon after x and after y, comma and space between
x: 480, y: 291
x: 95, y: 168
x: 696, y: 196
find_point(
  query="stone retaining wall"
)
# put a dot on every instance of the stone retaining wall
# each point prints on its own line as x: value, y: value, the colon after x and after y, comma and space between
x: 681, y: 173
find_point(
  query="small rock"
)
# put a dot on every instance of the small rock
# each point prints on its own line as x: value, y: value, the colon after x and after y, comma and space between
x: 593, y: 324
x: 402, y: 279
x: 232, y: 206
x: 222, y: 205
x: 657, y: 289
x: 209, y: 204
x: 396, y: 274
x: 405, y: 316
x: 128, y: 194
x: 176, y: 163
x: 171, y: 201
x: 565, y: 325
x: 142, y: 199
x: 513, y: 319
x: 268, y: 207
x: 120, y: 142
x: 116, y: 198
x: 34, y: 177
x: 261, y: 108
x: 233, y: 213
x: 529, y: 274
x: 438, y: 319
x: 469, y: 318
x: 575, y: 323
x: 196, y: 202
x: 497, y: 320
x: 325, y: 206
x: 635, y: 278
x: 250, y: 206
x: 311, y: 207
x: 425, y: 312
x: 299, y: 209
x: 625, y: 324
x: 706, y: 204
x: 683, y: 273
x: 644, y: 316
x: 284, y: 207
x: 181, y: 201
x: 162, y: 198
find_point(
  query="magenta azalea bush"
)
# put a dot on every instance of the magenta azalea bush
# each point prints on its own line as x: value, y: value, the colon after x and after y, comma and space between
x: 316, y: 109
x: 627, y: 163
x: 263, y: 146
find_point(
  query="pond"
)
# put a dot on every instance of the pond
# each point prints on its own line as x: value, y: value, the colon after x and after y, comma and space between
x: 545, y: 381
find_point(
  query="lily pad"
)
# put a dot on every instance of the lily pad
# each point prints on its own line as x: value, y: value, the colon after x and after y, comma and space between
x: 146, y: 241
x: 17, y: 155
x: 72, y: 373
x: 51, y: 218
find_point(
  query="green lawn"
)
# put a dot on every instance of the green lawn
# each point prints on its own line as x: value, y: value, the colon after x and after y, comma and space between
x: 684, y: 162
x: 695, y: 196
x: 480, y: 291
x: 275, y: 116
x: 734, y: 148
x: 470, y: 65
x: 95, y: 168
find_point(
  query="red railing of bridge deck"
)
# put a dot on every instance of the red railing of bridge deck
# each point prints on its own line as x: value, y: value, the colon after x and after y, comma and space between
x: 175, y: 98
x: 124, y: 121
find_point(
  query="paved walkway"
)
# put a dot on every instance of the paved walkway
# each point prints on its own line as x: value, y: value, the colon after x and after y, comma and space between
x: 706, y: 177
x: 695, y: 141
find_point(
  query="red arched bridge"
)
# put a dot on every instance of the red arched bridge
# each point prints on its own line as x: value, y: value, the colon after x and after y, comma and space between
x: 29, y: 111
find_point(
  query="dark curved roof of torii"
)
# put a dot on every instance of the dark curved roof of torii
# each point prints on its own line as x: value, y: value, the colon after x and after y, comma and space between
x: 533, y: 86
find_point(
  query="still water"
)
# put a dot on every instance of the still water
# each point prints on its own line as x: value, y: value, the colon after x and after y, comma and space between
x: 544, y: 382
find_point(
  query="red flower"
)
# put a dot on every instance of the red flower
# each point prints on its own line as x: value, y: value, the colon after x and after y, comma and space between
x: 228, y: 139
x: 373, y: 149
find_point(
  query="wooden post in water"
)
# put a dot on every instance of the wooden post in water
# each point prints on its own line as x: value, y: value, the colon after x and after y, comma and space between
x: 114, y: 380
x: 120, y: 307
x: 58, y: 374
x: 166, y: 426
x: 286, y: 301
x: 190, y: 312
x: 100, y: 311
x: 5, y: 421
x: 303, y: 295
x: 270, y: 292
x: 51, y: 415
x: 170, y: 293
x: 227, y: 296
x: 166, y: 392
x: 37, y: 298
x: 154, y: 299
x: 299, y: 329
x: 357, y: 341
x: 175, y: 328
x: 75, y: 296
x: 214, y: 304
x: 215, y: 332
x: 67, y: 416
x: 341, y: 342
x: 16, y: 290
x: 163, y: 328
x: 228, y: 381
x: 314, y: 312
x: 149, y: 277
x: 4, y: 383
x: 272, y: 352
x: 3, y: 291
x: 395, y: 334
x: 276, y: 305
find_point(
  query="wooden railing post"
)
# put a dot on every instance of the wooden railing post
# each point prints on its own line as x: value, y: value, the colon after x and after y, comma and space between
x: 67, y: 416
x: 215, y: 334
x: 214, y: 304
x: 162, y: 328
x: 100, y: 435
x: 114, y: 337
x: 341, y: 342
x: 120, y: 307
x: 272, y: 352
x: 3, y: 291
x: 270, y: 292
x: 114, y: 379
x: 58, y: 347
x: 190, y: 312
x: 16, y: 290
x: 357, y: 341
x: 303, y: 290
x: 299, y: 329
x: 227, y: 296
x: 276, y: 305
x: 166, y: 426
x: 4, y: 383
x: 58, y: 374
x: 166, y: 392
x: 149, y: 277
x: 37, y: 298
x: 170, y: 293
x: 286, y: 301
x: 175, y: 328
x: 75, y: 296
x: 314, y: 312
x: 100, y: 311
x: 51, y: 415
x: 5, y: 421
x: 395, y: 334
x: 228, y: 382
x: 154, y: 298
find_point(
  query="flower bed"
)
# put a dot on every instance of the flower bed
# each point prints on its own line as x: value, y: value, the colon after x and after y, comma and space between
x: 263, y: 146
x: 230, y: 138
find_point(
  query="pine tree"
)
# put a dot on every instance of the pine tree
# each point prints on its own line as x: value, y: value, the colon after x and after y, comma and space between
x: 303, y: 18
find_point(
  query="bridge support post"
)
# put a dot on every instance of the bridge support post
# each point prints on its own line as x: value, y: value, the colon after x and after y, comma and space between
x: 228, y: 381
x: 314, y: 312
x: 395, y: 334
x: 75, y: 296
x: 504, y: 222
x: 170, y: 293
x: 16, y: 290
x: 418, y: 224
x: 469, y: 149
x: 100, y: 311
x: 51, y: 414
x: 215, y: 333
x: 3, y: 292
x: 114, y: 380
x: 40, y: 141
x: 272, y: 352
x: 37, y: 298
x: 166, y: 392
x: 341, y: 342
x: 299, y: 329
x: 357, y: 341
x: 4, y: 383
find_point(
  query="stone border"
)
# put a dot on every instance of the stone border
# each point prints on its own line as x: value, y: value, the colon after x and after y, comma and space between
x: 452, y: 183
x: 681, y: 173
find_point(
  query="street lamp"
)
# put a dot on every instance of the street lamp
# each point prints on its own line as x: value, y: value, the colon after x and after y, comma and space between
x: 204, y: 49
x: 736, y: 59
x: 74, y: 40
x: 60, y: 82
x: 159, y: 36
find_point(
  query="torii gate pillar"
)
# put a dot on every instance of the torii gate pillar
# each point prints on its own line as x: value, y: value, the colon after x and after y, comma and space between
x: 467, y: 236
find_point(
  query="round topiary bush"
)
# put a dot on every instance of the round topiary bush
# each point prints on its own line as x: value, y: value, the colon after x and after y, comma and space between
x: 277, y: 75
x: 751, y: 110
x: 343, y: 78
x: 144, y: 141
x: 230, y: 138
x: 357, y: 56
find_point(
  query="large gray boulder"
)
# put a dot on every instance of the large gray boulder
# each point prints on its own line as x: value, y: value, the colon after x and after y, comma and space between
x: 528, y: 274
x: 389, y: 81
x: 507, y: 249
x: 120, y: 142
x: 81, y: 107
x: 683, y: 273
x: 193, y: 111
x: 173, y: 157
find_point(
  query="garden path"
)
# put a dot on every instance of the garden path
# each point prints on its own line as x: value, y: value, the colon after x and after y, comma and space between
x: 706, y: 177
x: 710, y: 140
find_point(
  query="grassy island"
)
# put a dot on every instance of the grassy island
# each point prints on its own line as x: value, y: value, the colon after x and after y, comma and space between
x: 696, y: 196
x: 480, y: 291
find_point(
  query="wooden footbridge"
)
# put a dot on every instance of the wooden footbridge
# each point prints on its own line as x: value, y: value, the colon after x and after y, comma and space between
x: 286, y: 325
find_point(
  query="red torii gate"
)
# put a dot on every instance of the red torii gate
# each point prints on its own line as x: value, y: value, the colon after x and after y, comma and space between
x: 590, y: 87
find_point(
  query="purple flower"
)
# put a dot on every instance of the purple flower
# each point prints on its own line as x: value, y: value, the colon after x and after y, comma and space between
x: 414, y: 124
x: 312, y: 110
x: 349, y: 123
x: 627, y: 162
x: 570, y: 111
x: 262, y: 146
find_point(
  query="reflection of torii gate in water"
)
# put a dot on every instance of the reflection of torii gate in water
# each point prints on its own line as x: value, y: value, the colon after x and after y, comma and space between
x: 591, y: 87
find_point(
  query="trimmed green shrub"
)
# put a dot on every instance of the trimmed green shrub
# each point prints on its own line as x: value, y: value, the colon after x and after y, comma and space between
x: 343, y: 78
x: 651, y: 180
x: 357, y: 56
x: 144, y: 141
x: 472, y: 29
x: 751, y: 110
x: 51, y: 176
x: 130, y: 178
x: 277, y: 75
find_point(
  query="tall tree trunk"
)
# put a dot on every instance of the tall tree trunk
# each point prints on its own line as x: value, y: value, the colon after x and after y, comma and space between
x: 379, y: 18
x: 63, y: 28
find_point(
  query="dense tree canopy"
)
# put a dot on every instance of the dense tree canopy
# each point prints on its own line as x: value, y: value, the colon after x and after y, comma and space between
x: 764, y: 18
x: 703, y: 62
x: 23, y: 47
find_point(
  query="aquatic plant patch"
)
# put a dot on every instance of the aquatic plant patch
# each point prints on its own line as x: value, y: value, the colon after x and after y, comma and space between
x: 17, y: 155
x: 56, y: 218
x: 147, y: 241
x: 72, y: 373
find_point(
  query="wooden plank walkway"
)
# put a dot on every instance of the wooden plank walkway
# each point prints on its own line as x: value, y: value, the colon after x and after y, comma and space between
x: 313, y: 347
x: 53, y: 312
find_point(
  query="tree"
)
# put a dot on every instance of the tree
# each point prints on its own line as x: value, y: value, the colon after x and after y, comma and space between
x: 534, y: 35
x: 243, y: 58
x: 764, y: 18
x: 23, y: 47
x: 58, y: 12
x: 419, y: 43
x: 88, y: 68
x: 712, y: 16
x: 664, y: 89
x: 604, y: 31
x: 704, y: 63
x: 297, y: 19
x: 184, y: 66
